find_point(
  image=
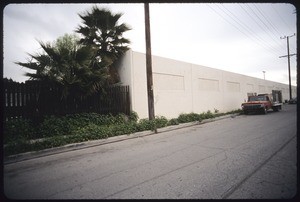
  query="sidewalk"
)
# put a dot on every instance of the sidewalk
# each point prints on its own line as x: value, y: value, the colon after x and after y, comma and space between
x: 94, y: 143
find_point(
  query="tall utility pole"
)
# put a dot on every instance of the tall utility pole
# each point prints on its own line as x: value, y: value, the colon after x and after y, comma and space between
x: 288, y: 56
x: 149, y: 67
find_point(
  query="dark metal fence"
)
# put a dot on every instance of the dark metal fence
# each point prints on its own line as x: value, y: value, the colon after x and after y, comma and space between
x: 34, y: 100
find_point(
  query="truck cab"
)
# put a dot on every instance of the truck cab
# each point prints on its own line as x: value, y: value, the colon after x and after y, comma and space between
x: 263, y: 102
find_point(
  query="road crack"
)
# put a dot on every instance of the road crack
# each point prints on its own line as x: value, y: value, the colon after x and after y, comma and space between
x: 230, y: 191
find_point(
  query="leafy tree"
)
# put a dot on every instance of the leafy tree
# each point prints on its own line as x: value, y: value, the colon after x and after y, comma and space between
x: 70, y: 64
x: 82, y: 66
x: 101, y: 30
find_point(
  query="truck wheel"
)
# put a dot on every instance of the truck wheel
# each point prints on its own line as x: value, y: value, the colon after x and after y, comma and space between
x: 264, y: 110
x: 245, y: 112
x: 275, y: 109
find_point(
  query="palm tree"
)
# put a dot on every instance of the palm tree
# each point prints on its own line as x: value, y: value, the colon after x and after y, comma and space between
x: 102, y: 31
x: 69, y: 64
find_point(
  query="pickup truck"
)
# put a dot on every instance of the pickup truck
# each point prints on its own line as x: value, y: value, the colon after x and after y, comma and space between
x: 263, y: 102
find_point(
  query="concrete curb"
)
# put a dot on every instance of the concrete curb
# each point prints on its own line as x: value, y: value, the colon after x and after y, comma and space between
x: 94, y: 143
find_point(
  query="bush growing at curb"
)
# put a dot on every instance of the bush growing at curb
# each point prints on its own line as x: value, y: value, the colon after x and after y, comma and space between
x: 158, y: 122
x: 55, y: 126
x: 133, y: 116
x: 173, y: 122
x: 161, y: 121
x: 185, y: 118
x: 18, y: 129
x: 58, y: 131
x: 207, y: 115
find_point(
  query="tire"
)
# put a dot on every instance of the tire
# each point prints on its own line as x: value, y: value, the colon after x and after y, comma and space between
x: 264, y: 110
x: 275, y: 109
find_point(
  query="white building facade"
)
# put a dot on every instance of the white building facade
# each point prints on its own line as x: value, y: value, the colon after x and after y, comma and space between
x: 181, y: 87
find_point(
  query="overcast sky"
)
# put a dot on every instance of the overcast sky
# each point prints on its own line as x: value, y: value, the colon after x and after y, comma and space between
x: 240, y: 38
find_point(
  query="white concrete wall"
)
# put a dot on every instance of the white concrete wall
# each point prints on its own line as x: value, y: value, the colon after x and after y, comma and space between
x: 181, y: 87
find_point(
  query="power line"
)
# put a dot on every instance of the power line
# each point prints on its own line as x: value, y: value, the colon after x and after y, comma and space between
x: 251, y: 17
x: 266, y: 26
x: 263, y: 46
x: 272, y: 25
x: 274, y: 28
x: 226, y: 20
x: 291, y: 30
x: 247, y: 28
x: 262, y: 21
x: 285, y: 23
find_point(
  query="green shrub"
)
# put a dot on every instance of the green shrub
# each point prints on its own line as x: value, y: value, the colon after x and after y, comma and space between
x: 207, y: 115
x: 173, y: 122
x: 133, y: 116
x: 82, y: 127
x: 67, y: 125
x: 18, y: 129
x: 120, y: 119
x: 64, y: 130
x: 145, y: 124
x: 93, y: 131
x: 237, y: 111
x: 161, y: 121
x: 185, y: 118
x: 98, y: 119
x: 123, y: 129
x: 54, y: 126
x: 16, y: 146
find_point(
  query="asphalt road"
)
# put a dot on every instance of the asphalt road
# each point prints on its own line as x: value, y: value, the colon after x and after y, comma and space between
x: 245, y: 157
